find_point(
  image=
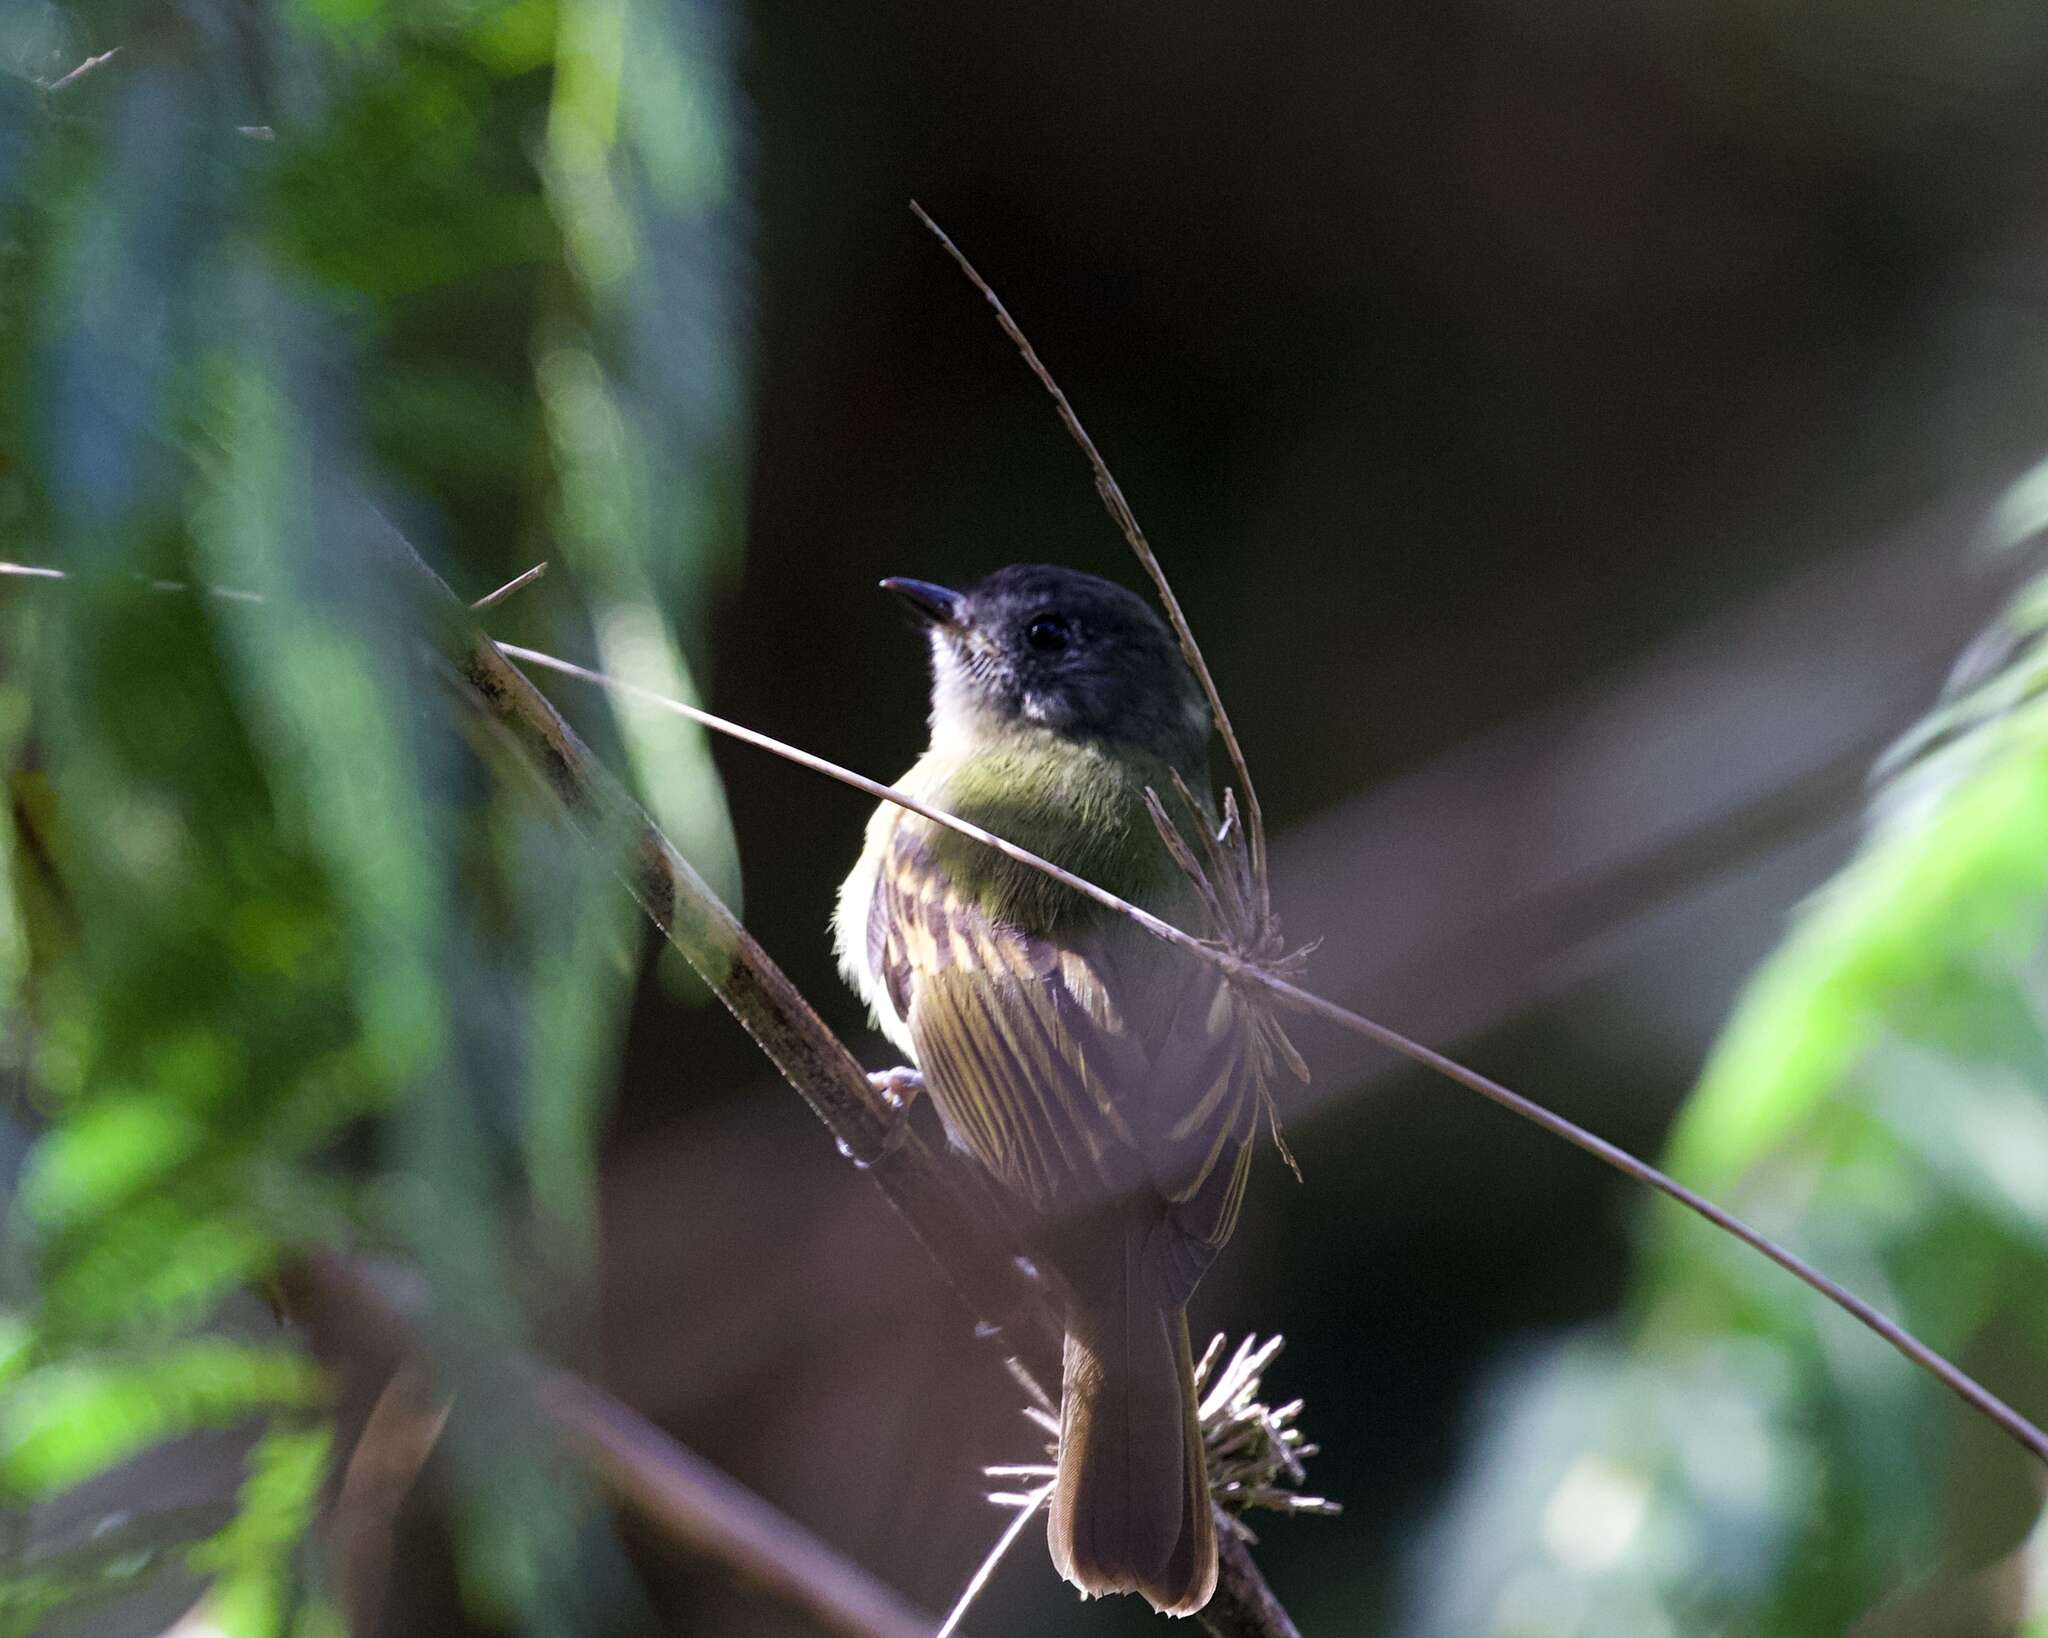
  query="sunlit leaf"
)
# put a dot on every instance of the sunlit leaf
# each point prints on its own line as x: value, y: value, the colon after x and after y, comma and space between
x: 67, y: 1422
x: 1880, y: 1101
x: 308, y: 963
x: 251, y: 1559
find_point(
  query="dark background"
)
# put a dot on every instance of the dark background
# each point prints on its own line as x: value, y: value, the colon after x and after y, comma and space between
x: 1574, y: 431
x: 1567, y: 429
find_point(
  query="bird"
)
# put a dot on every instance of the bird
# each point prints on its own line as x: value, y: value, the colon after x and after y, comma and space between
x: 1109, y: 1083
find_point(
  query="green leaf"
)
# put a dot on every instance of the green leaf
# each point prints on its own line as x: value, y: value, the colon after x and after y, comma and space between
x: 66, y: 1422
x: 1953, y: 895
x: 251, y: 1560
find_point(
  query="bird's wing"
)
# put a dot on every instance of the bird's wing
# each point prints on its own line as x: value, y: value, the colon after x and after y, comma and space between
x: 1080, y: 1067
x: 1206, y: 1068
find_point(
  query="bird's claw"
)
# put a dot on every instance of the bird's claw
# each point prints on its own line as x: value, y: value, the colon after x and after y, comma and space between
x: 896, y: 1090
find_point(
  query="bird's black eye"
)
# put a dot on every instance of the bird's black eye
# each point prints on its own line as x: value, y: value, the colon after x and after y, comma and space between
x: 1048, y: 634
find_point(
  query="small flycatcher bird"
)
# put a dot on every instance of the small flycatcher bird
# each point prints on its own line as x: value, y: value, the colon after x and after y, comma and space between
x: 1110, y: 1083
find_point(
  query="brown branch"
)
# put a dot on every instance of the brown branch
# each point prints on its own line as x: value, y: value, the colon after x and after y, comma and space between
x: 1244, y: 1606
x: 403, y: 1427
x: 701, y: 1505
x: 950, y: 1206
x: 350, y: 1311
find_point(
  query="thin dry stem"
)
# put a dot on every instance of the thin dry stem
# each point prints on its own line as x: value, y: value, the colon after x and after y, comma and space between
x: 1235, y: 888
x: 353, y: 1311
x: 860, y: 782
x: 1271, y: 975
x: 518, y: 583
x: 1120, y: 510
x: 90, y: 65
x: 1027, y: 1507
x: 792, y: 1037
x: 1261, y: 976
x: 403, y: 1427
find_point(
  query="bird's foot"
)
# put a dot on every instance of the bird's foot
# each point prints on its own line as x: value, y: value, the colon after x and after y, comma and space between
x: 896, y: 1089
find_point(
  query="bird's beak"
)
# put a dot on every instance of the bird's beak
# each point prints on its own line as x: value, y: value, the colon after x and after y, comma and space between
x: 936, y: 605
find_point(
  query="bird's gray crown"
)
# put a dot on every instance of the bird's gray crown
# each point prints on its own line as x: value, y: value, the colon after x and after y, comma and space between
x: 1080, y: 656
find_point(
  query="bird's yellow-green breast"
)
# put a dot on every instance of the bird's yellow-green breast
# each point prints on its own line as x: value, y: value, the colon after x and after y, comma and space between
x: 1080, y: 806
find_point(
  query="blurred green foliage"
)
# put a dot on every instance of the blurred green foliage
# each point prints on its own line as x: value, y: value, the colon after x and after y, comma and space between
x: 1737, y: 1456
x: 291, y: 958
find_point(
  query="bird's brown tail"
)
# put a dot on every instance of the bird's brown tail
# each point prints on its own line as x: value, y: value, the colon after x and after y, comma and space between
x: 1130, y: 1507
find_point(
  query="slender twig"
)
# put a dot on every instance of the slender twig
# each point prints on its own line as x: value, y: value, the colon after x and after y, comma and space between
x: 403, y: 1427
x: 518, y: 583
x: 701, y: 1504
x: 52, y: 87
x: 2022, y: 1430
x: 489, y: 600
x: 871, y: 787
x: 1235, y: 887
x: 1027, y: 1508
x: 1127, y: 520
x: 349, y: 1309
x: 837, y: 1089
x: 30, y: 571
x: 1244, y: 971
x: 851, y: 1108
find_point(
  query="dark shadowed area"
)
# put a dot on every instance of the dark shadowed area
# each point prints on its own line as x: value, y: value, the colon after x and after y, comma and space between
x: 1567, y: 433
x: 1572, y: 432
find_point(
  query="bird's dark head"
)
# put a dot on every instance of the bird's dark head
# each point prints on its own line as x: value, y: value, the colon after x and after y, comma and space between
x: 1053, y: 648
